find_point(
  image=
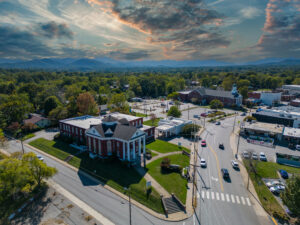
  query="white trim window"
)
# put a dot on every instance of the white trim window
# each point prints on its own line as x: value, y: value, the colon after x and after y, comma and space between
x: 89, y: 143
x: 109, y: 152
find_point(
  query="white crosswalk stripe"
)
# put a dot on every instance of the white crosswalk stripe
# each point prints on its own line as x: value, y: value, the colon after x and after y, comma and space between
x: 227, y: 198
x: 248, y: 201
x: 232, y: 199
x: 222, y: 196
x: 235, y: 199
x: 243, y: 200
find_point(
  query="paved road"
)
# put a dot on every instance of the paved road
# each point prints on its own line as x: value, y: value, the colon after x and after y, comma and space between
x: 218, y: 203
x: 221, y: 202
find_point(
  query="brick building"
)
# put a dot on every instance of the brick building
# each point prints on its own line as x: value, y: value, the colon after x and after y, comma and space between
x: 205, y: 96
x: 122, y: 135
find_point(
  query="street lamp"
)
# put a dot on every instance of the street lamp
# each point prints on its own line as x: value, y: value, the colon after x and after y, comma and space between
x: 128, y: 189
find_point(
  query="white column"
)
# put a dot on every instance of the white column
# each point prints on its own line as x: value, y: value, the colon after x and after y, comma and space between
x: 140, y: 139
x: 144, y: 145
x: 128, y: 151
x: 133, y: 150
x: 123, y: 150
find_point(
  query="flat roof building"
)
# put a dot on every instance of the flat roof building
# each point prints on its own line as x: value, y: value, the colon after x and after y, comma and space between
x: 171, y: 126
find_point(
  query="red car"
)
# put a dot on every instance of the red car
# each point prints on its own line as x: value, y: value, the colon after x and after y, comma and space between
x: 203, y: 143
x: 204, y: 114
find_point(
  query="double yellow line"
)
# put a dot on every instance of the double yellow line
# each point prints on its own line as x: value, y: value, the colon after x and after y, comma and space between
x: 218, y: 166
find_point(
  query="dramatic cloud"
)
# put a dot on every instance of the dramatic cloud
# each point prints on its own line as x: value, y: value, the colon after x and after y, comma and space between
x: 126, y: 54
x: 250, y: 12
x: 55, y: 30
x: 281, y: 29
x: 184, y: 25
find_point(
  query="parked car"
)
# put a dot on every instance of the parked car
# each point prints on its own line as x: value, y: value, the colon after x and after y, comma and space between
x: 171, y: 103
x: 262, y: 156
x: 284, y: 174
x: 196, y: 116
x: 275, y: 190
x: 235, y: 164
x: 203, y: 143
x: 163, y: 104
x: 298, y: 147
x: 272, y: 183
x: 203, y: 163
x: 40, y: 157
x: 204, y: 114
x: 218, y: 123
x: 243, y: 114
x: 225, y: 173
x: 254, y: 156
x: 246, y: 154
x: 221, y: 146
x: 291, y: 146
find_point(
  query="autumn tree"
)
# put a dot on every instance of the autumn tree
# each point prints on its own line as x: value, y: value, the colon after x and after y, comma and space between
x: 86, y: 104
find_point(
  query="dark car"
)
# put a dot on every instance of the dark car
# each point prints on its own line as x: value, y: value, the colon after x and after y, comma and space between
x: 284, y: 174
x: 221, y: 146
x: 225, y: 173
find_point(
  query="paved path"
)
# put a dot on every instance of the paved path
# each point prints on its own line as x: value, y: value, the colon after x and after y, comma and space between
x: 160, y: 155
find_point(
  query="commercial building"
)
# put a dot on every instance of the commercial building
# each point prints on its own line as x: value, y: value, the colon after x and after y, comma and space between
x: 291, y: 89
x: 171, y: 126
x: 265, y: 97
x: 205, y: 96
x: 122, y: 135
x: 292, y: 135
x: 295, y: 102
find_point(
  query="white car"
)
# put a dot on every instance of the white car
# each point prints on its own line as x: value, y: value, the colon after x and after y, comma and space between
x: 262, y: 156
x: 298, y: 147
x: 254, y: 156
x: 234, y: 164
x: 246, y: 155
x: 272, y: 183
x: 203, y: 163
x: 40, y: 157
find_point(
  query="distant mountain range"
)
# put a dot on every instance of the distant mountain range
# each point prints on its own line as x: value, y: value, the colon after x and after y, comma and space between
x: 86, y: 64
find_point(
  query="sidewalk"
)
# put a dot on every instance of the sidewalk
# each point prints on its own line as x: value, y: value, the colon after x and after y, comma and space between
x: 263, y: 216
x: 161, y: 155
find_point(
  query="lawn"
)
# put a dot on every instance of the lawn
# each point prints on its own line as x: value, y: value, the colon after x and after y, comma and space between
x: 58, y: 149
x: 2, y: 156
x: 149, y: 122
x: 268, y: 170
x: 165, y: 147
x: 27, y: 136
x: 112, y: 172
x: 172, y: 182
x: 140, y: 114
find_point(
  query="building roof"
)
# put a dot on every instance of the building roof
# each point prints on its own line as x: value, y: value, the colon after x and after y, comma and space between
x: 291, y: 86
x: 264, y: 127
x: 184, y: 92
x: 84, y: 122
x: 109, y: 118
x: 119, y: 131
x: 120, y: 116
x: 34, y: 118
x: 291, y: 132
x: 165, y: 127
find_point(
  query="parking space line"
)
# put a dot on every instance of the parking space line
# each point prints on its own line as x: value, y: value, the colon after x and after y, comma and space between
x: 212, y: 195
x: 202, y: 194
x: 243, y: 200
x: 232, y: 199
x: 248, y: 201
x: 198, y: 196
x: 237, y: 199
x: 217, y: 196
x: 207, y: 194
x: 227, y: 198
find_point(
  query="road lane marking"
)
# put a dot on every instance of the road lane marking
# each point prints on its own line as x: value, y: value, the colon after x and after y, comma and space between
x: 237, y: 199
x: 198, y: 196
x: 274, y: 221
x: 207, y: 194
x: 232, y: 199
x: 248, y: 201
x: 227, y: 198
x: 212, y: 195
x: 218, y: 165
x: 202, y: 193
x: 222, y: 196
x: 243, y: 200
x: 217, y: 196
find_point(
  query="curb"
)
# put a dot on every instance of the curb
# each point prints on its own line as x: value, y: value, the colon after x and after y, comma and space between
x: 125, y: 197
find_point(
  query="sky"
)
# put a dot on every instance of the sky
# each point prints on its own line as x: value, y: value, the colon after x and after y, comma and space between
x: 223, y: 30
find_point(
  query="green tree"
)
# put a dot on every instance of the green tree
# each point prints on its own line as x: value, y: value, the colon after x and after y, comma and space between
x: 216, y: 104
x: 86, y: 104
x: 118, y: 101
x: 50, y: 103
x: 174, y: 111
x: 173, y: 96
x: 58, y: 113
x: 291, y: 195
x: 188, y: 129
x: 244, y: 91
x: 38, y: 169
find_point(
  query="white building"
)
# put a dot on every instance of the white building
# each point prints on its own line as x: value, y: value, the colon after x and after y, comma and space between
x: 171, y: 126
x: 269, y: 98
x: 292, y: 89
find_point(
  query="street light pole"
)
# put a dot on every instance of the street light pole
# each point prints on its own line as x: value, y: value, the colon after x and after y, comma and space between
x: 128, y: 189
x: 234, y: 122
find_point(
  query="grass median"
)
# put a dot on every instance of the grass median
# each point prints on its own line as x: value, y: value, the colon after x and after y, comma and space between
x: 152, y: 123
x: 173, y: 182
x: 165, y: 147
x: 110, y: 172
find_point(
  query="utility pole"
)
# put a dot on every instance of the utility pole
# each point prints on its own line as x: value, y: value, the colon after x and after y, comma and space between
x: 195, y: 164
x: 188, y: 111
x: 234, y: 122
x: 128, y: 189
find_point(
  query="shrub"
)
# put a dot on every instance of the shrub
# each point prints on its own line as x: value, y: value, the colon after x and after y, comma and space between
x: 249, y: 118
x: 189, y: 128
x: 165, y: 163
